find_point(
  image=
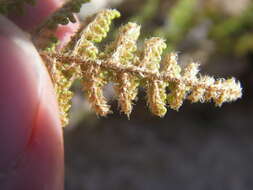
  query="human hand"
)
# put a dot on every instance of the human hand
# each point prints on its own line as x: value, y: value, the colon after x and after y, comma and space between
x: 31, y: 144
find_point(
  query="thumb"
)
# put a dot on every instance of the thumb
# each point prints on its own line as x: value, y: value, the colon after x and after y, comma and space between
x: 31, y: 147
x: 35, y: 14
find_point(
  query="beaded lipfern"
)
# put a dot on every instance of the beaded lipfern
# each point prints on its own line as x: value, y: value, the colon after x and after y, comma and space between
x: 166, y: 84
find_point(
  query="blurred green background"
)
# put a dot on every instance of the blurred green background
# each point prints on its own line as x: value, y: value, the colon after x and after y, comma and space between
x: 201, y: 147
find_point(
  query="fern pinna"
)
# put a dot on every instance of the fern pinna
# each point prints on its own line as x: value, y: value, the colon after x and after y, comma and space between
x: 129, y: 68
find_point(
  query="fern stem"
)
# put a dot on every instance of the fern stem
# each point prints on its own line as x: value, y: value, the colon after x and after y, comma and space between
x: 234, y: 89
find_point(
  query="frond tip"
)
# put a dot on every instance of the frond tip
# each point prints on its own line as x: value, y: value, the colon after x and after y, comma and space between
x: 165, y: 82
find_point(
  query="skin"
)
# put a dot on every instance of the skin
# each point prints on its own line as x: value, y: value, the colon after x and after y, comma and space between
x: 31, y: 143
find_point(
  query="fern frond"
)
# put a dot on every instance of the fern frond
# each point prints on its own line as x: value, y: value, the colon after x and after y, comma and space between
x: 128, y: 68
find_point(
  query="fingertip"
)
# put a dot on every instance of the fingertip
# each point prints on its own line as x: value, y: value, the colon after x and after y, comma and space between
x: 31, y: 144
x: 34, y: 15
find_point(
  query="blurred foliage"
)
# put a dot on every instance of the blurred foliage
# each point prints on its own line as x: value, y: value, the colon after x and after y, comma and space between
x: 147, y: 11
x: 233, y: 33
x: 180, y: 19
x: 174, y: 20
